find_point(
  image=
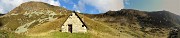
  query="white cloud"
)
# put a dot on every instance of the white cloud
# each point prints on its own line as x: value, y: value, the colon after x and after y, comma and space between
x: 78, y: 11
x: 1, y: 10
x: 81, y: 6
x: 126, y: 2
x: 104, y: 5
x: 76, y: 8
x: 172, y: 6
x: 7, y: 5
x: 68, y: 1
x: 64, y: 6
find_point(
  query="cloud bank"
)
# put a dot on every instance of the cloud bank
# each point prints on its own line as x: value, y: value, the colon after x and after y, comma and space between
x: 7, y: 5
x: 154, y: 5
x: 102, y: 5
x: 172, y: 6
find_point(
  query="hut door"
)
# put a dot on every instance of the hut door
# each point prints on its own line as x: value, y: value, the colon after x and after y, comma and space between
x: 70, y: 28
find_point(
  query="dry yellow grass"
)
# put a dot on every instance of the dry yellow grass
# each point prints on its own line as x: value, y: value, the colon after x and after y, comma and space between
x: 52, y: 25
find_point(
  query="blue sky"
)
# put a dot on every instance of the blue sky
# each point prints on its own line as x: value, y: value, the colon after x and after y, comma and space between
x: 87, y: 8
x: 143, y: 5
x: 101, y: 6
x: 148, y: 5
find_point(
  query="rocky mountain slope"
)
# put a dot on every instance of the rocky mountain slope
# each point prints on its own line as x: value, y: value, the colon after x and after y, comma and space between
x: 41, y: 20
x: 141, y: 24
x: 33, y: 17
x: 163, y: 19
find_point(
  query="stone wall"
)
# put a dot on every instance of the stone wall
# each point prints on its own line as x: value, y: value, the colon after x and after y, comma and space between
x: 77, y: 25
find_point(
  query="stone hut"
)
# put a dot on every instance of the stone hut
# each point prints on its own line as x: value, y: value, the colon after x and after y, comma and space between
x: 74, y: 24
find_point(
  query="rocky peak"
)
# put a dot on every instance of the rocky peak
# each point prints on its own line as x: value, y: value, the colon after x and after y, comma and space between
x: 31, y: 14
x: 36, y: 6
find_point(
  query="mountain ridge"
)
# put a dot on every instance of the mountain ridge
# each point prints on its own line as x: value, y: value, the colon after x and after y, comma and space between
x: 40, y: 18
x: 164, y: 15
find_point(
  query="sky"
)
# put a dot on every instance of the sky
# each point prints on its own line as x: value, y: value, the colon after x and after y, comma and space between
x: 101, y: 6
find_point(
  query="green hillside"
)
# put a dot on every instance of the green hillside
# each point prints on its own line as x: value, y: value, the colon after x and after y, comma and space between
x: 41, y: 20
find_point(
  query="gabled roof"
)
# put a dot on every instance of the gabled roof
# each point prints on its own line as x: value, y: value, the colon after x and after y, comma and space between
x: 79, y: 19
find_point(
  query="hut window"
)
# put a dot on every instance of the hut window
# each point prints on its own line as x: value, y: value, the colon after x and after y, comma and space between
x: 83, y: 25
